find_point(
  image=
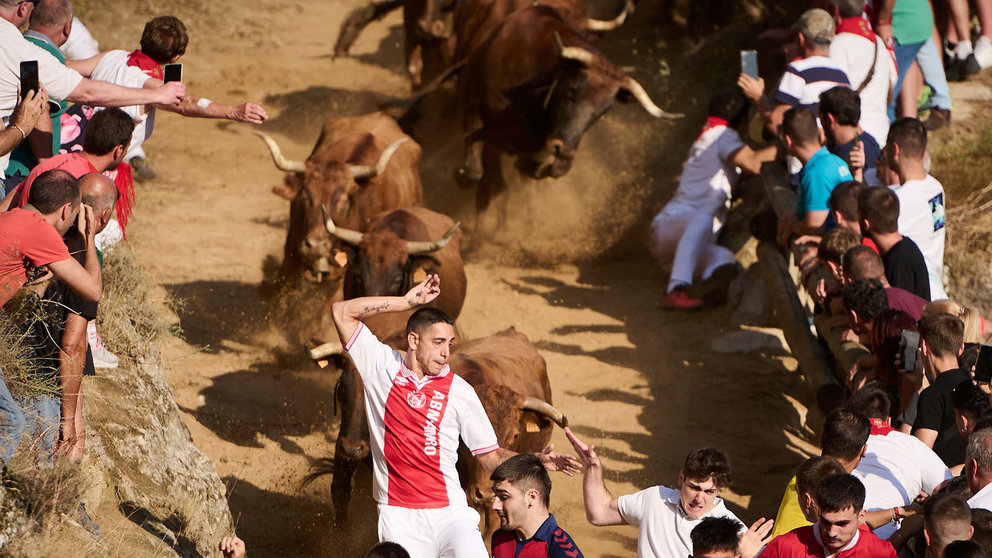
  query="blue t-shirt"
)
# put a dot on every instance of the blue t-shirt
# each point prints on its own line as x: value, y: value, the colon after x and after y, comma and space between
x: 820, y: 175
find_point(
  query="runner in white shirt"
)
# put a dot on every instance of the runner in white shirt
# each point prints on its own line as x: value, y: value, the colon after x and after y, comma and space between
x: 664, y: 516
x: 417, y: 411
x: 921, y: 197
x: 896, y: 466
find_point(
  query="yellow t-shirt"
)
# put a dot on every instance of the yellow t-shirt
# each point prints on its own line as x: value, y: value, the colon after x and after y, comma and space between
x: 790, y: 515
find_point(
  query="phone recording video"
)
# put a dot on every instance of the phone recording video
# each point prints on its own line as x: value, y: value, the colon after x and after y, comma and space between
x: 909, y: 342
x: 29, y: 77
x: 749, y: 63
x: 983, y: 368
x: 173, y: 72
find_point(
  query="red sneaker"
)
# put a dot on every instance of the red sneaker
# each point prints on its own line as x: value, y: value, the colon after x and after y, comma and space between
x: 679, y: 299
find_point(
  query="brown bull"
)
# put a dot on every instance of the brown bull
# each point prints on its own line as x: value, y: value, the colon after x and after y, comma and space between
x: 511, y: 378
x: 360, y: 167
x: 400, y: 248
x: 532, y: 89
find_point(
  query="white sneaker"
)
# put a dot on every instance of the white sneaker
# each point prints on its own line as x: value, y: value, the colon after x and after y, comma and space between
x: 983, y: 52
x: 102, y: 358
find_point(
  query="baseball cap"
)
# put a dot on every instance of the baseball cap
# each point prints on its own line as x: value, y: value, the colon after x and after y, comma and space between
x: 817, y: 25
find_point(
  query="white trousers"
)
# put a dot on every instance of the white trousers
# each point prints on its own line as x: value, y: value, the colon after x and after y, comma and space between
x: 451, y: 532
x: 687, y: 238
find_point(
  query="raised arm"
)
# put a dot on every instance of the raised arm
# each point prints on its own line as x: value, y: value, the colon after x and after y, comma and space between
x: 601, y: 507
x: 347, y: 314
x: 552, y: 460
x: 86, y: 280
x: 103, y: 94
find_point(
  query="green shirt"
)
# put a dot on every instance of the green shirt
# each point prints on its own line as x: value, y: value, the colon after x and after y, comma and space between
x: 22, y: 159
x: 912, y: 21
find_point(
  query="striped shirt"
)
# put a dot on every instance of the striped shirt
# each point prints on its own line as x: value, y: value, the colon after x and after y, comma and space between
x: 804, y: 80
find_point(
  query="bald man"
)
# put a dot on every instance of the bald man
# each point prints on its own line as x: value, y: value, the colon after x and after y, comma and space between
x: 862, y: 262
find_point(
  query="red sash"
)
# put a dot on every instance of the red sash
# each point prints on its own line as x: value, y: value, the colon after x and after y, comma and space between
x: 858, y: 26
x: 145, y: 63
x: 879, y: 428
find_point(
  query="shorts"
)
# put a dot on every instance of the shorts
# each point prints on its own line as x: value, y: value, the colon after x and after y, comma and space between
x: 451, y: 532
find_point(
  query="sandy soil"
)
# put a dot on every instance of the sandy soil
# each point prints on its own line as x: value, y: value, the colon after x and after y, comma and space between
x: 567, y: 270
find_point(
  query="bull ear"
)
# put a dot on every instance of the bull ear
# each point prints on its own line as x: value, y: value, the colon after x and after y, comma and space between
x: 419, y: 267
x: 289, y: 188
x: 340, y: 258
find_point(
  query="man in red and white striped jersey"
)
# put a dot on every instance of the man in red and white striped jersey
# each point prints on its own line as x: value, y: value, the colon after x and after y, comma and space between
x: 417, y: 410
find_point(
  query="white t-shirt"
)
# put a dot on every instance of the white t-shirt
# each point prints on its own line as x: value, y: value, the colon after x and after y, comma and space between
x: 983, y: 499
x: 894, y: 470
x: 415, y: 425
x: 709, y: 175
x: 80, y: 44
x: 58, y: 80
x: 854, y: 54
x: 113, y: 68
x: 662, y: 527
x: 922, y: 219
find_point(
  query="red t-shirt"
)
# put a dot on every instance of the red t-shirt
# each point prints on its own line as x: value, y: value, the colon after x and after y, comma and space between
x: 802, y: 543
x: 26, y: 239
x: 73, y: 163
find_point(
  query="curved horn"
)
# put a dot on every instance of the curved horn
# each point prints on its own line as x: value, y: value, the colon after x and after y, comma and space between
x: 573, y: 53
x: 281, y: 162
x: 347, y: 235
x: 370, y: 171
x: 545, y: 408
x: 602, y: 26
x: 417, y: 247
x: 642, y: 97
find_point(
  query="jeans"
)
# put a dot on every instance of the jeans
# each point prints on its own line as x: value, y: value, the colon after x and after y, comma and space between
x: 933, y: 73
x: 43, y: 417
x: 12, y: 422
x: 905, y: 54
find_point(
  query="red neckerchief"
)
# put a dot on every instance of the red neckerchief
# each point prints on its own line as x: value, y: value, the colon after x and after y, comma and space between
x: 712, y: 122
x: 879, y: 428
x: 858, y: 26
x: 145, y: 63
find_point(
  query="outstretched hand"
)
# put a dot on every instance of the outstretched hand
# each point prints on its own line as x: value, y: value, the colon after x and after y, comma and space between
x: 564, y: 463
x: 424, y: 292
x: 755, y: 538
x: 249, y: 112
x: 586, y: 453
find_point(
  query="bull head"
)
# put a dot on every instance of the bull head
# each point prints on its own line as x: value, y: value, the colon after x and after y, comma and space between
x: 333, y: 183
x: 413, y: 247
x: 522, y: 424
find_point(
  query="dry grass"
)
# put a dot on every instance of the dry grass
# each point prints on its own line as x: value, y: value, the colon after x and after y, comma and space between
x: 24, y: 373
x: 129, y: 320
x: 38, y: 502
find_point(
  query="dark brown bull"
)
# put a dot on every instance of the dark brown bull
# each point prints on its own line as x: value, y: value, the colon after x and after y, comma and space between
x: 508, y: 374
x: 532, y: 89
x: 360, y: 167
x: 400, y: 248
x: 511, y: 379
x: 428, y: 44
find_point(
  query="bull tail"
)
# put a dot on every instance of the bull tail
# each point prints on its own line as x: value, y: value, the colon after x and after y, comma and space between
x: 399, y: 108
x: 356, y: 21
x: 318, y: 468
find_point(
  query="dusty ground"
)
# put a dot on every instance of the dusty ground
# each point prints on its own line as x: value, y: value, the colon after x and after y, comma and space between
x: 634, y: 380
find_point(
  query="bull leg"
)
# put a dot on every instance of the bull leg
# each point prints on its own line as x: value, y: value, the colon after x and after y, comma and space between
x: 492, y: 182
x: 344, y: 469
x: 471, y: 171
x: 415, y: 62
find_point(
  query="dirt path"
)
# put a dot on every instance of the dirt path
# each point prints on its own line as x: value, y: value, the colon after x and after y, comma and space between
x: 637, y: 382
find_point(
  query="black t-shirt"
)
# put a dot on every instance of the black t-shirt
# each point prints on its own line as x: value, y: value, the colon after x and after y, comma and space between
x: 935, y: 412
x: 61, y: 300
x: 905, y: 268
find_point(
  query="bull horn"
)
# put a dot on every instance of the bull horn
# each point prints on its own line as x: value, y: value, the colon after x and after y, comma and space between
x: 545, y: 408
x: 642, y: 97
x: 573, y: 53
x: 347, y: 235
x: 602, y: 26
x: 281, y: 162
x: 371, y: 171
x: 417, y: 247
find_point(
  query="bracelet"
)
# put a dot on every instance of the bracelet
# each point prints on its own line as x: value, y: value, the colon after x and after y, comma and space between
x: 23, y: 135
x: 896, y: 516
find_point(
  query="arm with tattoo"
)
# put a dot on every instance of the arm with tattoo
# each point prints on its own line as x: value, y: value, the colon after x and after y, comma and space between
x: 348, y: 314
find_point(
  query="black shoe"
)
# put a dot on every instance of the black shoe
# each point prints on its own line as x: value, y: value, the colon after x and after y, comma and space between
x: 953, y: 70
x: 971, y: 65
x: 938, y: 119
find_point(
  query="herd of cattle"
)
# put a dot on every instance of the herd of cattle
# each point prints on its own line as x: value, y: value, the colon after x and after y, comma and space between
x: 530, y: 83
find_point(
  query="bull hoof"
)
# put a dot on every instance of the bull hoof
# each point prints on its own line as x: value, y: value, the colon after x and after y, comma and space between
x: 466, y: 178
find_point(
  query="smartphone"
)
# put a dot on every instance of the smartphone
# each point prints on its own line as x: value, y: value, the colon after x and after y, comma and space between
x: 983, y: 368
x: 29, y: 77
x: 909, y: 341
x: 749, y: 63
x: 173, y: 72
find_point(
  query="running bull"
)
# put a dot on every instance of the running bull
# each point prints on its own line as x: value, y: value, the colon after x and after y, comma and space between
x: 360, y: 167
x: 532, y: 89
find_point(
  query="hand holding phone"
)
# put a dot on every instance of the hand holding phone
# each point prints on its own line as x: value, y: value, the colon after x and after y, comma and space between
x: 749, y: 63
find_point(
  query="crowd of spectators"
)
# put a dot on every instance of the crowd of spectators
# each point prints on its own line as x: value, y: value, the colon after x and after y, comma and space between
x: 67, y: 147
